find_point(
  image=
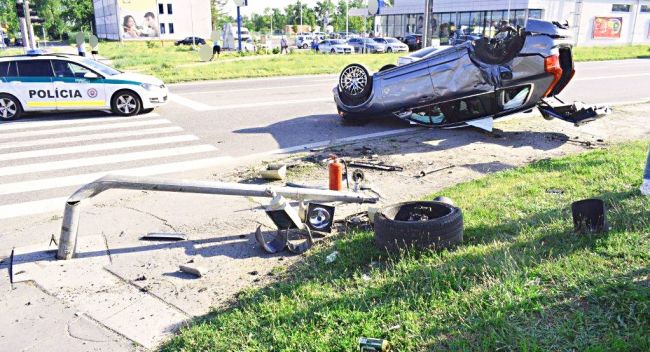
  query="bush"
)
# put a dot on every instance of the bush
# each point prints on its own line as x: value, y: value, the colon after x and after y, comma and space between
x: 151, y: 44
x: 276, y: 50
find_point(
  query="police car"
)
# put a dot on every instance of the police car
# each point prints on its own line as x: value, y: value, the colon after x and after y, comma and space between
x: 55, y: 82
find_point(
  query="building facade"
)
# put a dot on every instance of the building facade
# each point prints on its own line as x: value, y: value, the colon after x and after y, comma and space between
x: 594, y: 22
x: 148, y: 19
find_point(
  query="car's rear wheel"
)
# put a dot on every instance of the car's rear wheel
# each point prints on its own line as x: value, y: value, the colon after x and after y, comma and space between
x: 9, y: 107
x: 332, y: 51
x: 389, y: 50
x: 305, y: 46
x: 355, y: 84
x: 126, y: 103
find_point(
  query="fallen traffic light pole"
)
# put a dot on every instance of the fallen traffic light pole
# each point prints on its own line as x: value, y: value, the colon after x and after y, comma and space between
x: 70, y: 226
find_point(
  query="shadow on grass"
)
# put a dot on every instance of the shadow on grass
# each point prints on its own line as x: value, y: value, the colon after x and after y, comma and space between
x: 492, y: 256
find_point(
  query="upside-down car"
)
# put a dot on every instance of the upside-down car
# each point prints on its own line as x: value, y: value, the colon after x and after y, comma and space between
x: 472, y: 83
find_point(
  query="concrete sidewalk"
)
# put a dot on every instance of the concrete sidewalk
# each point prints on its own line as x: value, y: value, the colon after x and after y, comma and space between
x: 122, y: 293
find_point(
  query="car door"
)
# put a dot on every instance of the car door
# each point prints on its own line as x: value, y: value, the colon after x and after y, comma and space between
x: 75, y: 89
x: 33, y: 86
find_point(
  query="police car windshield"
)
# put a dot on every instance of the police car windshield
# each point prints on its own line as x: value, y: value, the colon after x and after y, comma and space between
x: 98, y: 66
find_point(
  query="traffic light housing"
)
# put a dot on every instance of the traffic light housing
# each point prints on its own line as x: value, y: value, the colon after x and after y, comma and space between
x: 20, y: 10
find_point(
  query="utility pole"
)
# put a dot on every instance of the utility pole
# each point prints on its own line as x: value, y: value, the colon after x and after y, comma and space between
x: 20, y: 12
x: 192, y: 20
x: 30, y: 28
x: 347, y: 19
x: 300, y: 6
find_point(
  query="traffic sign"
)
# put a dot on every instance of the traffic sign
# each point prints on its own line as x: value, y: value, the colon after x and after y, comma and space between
x: 373, y: 7
x: 241, y: 2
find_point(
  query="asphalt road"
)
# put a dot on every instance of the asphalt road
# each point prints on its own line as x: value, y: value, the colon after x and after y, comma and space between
x: 44, y: 158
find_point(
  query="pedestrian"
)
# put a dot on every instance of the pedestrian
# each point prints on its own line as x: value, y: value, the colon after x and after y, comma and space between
x: 645, y: 186
x: 284, y: 47
x: 216, y: 49
x: 81, y: 49
x: 314, y: 44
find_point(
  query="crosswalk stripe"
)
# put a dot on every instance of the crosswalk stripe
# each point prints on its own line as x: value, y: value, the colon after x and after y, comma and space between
x: 75, y: 180
x: 89, y: 137
x: 96, y: 147
x: 83, y: 128
x: 34, y: 207
x: 7, y: 126
x: 101, y: 160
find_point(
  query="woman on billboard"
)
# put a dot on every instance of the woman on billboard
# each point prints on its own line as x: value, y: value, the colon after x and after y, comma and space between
x: 130, y: 28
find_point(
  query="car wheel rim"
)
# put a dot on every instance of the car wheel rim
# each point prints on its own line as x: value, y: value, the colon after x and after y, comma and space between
x: 354, y: 80
x: 126, y: 104
x: 8, y: 108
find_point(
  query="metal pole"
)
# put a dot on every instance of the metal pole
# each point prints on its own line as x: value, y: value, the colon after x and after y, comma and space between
x: 347, y: 19
x: 68, y: 238
x: 30, y: 29
x: 300, y: 5
x: 425, y: 31
x: 239, y: 28
x: 192, y: 19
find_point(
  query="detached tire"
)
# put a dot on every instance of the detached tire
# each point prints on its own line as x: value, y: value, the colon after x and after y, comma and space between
x: 418, y: 225
x: 355, y: 85
x: 126, y: 103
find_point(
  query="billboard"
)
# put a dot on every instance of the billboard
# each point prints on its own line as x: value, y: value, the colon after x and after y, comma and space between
x: 607, y: 27
x: 138, y: 19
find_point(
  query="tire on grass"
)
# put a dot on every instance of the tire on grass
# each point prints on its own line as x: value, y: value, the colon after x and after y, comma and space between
x: 419, y: 225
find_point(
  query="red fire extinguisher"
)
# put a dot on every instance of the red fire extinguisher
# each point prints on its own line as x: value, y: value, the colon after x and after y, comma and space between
x: 335, y: 168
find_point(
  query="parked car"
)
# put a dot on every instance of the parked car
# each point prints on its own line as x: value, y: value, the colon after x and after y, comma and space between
x: 392, y: 44
x: 414, y: 41
x: 472, y: 83
x: 18, y: 42
x: 189, y: 41
x: 418, y: 55
x: 366, y: 45
x: 304, y: 41
x: 335, y: 46
x: 461, y: 38
x: 59, y: 82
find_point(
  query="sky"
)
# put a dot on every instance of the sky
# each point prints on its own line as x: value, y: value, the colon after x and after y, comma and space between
x: 258, y: 6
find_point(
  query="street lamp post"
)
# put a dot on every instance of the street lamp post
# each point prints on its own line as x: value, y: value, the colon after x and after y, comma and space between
x: 347, y: 18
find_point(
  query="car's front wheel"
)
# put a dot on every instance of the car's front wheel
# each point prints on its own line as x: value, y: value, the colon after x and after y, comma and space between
x: 9, y: 107
x: 126, y: 103
x: 355, y: 84
x: 389, y: 50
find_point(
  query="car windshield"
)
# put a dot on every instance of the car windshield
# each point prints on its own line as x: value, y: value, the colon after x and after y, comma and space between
x: 424, y: 52
x: 98, y: 66
x: 338, y: 41
x: 392, y: 40
x: 380, y: 40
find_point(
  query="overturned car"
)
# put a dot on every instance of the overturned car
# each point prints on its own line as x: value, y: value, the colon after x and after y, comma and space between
x: 472, y: 83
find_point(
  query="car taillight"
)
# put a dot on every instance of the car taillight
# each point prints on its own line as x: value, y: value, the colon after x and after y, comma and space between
x: 552, y: 66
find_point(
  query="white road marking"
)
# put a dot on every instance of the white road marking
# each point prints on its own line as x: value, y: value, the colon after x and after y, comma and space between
x: 6, y: 126
x: 194, y: 105
x: 613, y: 76
x: 75, y: 180
x: 31, y: 208
x: 332, y: 142
x: 96, y: 147
x: 83, y: 128
x: 202, y: 107
x: 89, y: 137
x: 228, y: 91
x: 101, y: 160
x: 312, y: 78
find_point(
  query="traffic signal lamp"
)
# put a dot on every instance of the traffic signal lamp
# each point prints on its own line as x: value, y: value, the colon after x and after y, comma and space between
x: 20, y: 10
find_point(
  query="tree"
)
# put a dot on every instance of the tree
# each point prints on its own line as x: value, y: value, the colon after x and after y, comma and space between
x: 325, y: 11
x: 219, y: 16
x: 8, y: 16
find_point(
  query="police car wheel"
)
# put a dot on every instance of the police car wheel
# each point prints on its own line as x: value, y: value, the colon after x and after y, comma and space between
x: 126, y: 104
x: 9, y: 107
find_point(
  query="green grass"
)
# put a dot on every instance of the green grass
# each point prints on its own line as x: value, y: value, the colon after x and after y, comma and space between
x: 595, y: 53
x: 178, y: 64
x: 522, y: 280
x: 181, y: 64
